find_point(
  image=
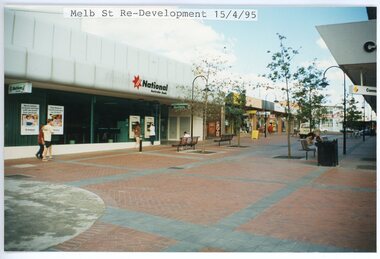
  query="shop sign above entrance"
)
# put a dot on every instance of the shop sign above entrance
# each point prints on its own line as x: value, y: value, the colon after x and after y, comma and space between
x: 20, y: 88
x: 369, y: 46
x: 363, y: 90
x: 180, y: 106
x: 152, y: 86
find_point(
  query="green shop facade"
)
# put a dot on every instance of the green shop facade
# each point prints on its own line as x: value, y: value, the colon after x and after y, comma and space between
x: 93, y: 88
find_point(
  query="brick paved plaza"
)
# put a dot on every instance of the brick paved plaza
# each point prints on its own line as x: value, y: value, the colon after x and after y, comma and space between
x: 233, y: 200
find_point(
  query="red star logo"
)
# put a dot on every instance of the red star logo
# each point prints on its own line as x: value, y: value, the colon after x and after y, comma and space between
x: 137, y: 82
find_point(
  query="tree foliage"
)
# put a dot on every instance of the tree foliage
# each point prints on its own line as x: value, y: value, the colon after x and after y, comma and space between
x: 309, y: 96
x: 353, y: 115
x: 280, y: 71
x: 211, y: 69
x: 235, y: 103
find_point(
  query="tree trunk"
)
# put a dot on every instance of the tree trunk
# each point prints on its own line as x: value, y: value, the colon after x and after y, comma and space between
x: 288, y: 119
x: 288, y: 133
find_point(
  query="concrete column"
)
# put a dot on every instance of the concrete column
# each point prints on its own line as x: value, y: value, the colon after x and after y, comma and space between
x: 279, y: 124
x: 222, y: 120
x: 254, y: 122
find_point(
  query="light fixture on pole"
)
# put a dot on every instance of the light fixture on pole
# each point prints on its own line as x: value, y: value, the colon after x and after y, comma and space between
x: 192, y: 103
x: 324, y: 84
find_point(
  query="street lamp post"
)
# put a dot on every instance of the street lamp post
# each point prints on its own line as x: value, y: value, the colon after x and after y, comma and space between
x: 364, y: 126
x: 324, y: 83
x: 192, y: 103
x: 206, y: 90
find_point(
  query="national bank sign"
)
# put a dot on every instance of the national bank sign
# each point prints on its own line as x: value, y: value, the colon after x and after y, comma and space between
x: 152, y: 86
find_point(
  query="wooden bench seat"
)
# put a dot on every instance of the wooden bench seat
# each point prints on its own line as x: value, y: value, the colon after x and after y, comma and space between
x: 186, y: 142
x: 223, y: 138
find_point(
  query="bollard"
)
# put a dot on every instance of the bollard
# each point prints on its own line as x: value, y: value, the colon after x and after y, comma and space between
x: 140, y: 147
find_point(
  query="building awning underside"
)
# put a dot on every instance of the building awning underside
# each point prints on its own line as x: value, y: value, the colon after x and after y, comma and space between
x: 347, y: 42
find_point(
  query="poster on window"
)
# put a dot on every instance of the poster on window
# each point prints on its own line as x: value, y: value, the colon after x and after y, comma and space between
x: 30, y: 114
x: 56, y: 113
x: 149, y: 121
x: 133, y: 121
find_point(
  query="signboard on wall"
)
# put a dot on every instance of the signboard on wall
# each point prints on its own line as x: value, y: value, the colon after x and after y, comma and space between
x: 148, y: 122
x: 20, y: 88
x: 133, y: 119
x: 363, y: 90
x: 30, y: 114
x: 217, y: 129
x: 56, y: 114
x: 147, y: 86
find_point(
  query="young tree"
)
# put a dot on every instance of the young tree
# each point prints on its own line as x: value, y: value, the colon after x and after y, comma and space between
x: 235, y: 106
x: 308, y: 95
x: 207, y: 94
x: 353, y: 115
x: 280, y: 72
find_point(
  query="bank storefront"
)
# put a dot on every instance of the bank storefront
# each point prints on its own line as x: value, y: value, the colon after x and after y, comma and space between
x: 94, y: 89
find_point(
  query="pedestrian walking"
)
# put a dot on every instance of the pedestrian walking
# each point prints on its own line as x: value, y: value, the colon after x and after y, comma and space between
x: 270, y: 128
x: 47, y: 131
x: 137, y: 132
x: 152, y: 134
x: 41, y: 143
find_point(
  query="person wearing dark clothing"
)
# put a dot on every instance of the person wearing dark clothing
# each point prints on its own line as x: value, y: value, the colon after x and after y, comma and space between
x: 41, y: 143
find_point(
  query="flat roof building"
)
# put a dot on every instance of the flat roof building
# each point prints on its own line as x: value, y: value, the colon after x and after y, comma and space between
x: 95, y: 88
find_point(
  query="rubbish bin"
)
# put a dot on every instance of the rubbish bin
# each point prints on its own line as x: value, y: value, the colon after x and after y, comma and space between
x: 328, y: 153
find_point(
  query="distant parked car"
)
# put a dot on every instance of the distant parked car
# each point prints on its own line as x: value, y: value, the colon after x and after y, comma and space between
x: 305, y: 129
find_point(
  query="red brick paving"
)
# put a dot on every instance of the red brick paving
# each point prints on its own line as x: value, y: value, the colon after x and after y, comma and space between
x: 185, y: 198
x: 349, y: 177
x: 60, y: 172
x: 255, y: 169
x: 139, y: 161
x: 341, y: 218
x: 102, y: 237
x: 326, y: 217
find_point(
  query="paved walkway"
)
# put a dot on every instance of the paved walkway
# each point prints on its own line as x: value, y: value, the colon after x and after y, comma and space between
x: 232, y: 200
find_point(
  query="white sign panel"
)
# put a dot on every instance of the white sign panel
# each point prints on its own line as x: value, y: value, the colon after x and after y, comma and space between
x: 148, y: 122
x: 20, y: 88
x: 144, y: 85
x: 133, y: 119
x: 30, y: 114
x: 363, y: 90
x: 56, y: 113
x: 279, y: 108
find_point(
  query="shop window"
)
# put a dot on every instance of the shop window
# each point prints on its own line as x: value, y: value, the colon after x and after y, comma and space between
x: 184, y: 125
x: 173, y: 132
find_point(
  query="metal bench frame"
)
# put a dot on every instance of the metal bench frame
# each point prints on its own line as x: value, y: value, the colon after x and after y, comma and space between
x: 186, y: 142
x: 227, y: 137
x: 305, y: 147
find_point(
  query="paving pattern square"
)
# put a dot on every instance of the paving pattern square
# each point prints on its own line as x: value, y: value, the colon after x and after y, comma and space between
x: 255, y: 169
x: 183, y: 198
x: 139, y: 161
x: 102, y: 237
x: 65, y: 172
x: 325, y: 217
x: 348, y: 177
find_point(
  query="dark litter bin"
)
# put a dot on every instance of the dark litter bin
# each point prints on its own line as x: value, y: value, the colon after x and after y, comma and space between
x: 328, y: 153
